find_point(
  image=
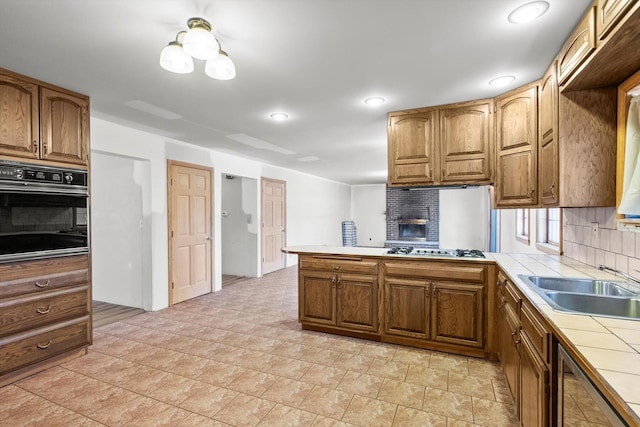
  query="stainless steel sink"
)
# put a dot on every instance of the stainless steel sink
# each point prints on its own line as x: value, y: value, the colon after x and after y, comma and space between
x: 627, y: 307
x: 586, y: 296
x: 583, y: 286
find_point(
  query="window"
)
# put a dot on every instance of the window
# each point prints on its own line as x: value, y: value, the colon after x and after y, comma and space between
x: 549, y: 236
x: 522, y: 225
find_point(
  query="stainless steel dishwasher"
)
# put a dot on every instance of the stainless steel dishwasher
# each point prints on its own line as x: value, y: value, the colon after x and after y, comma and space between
x: 579, y: 401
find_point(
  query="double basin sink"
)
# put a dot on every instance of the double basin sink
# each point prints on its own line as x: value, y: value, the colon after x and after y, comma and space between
x: 587, y: 296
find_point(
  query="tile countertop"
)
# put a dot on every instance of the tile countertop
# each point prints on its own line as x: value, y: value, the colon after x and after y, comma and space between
x: 611, y: 346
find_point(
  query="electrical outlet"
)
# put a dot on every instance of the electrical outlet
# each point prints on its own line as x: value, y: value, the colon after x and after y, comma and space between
x: 594, y: 227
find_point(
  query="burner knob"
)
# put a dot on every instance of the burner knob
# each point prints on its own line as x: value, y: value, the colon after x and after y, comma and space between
x: 68, y: 176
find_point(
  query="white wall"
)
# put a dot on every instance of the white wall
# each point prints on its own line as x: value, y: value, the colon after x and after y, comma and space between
x: 508, y: 241
x: 315, y: 206
x: 368, y: 210
x: 464, y: 218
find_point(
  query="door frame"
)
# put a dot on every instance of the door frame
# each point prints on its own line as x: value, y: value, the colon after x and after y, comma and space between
x: 169, y: 221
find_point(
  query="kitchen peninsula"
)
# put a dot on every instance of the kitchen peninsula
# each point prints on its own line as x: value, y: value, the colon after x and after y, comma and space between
x: 455, y: 305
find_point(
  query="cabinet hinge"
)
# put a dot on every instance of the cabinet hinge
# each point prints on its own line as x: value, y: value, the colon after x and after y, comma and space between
x: 173, y: 285
x: 171, y: 233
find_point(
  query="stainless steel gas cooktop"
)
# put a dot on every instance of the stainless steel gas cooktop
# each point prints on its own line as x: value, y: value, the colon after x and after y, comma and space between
x: 456, y: 253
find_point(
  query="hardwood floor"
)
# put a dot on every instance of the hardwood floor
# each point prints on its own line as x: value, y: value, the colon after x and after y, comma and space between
x: 105, y: 313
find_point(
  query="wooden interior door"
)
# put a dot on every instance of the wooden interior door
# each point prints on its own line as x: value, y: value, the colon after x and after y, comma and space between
x: 273, y: 224
x: 190, y: 239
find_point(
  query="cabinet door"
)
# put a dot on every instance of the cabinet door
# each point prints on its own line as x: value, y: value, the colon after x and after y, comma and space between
x: 317, y: 297
x: 510, y: 360
x: 548, y: 172
x: 465, y: 143
x: 64, y: 127
x: 357, y: 299
x: 406, y: 307
x: 609, y: 13
x: 412, y: 148
x: 516, y: 140
x: 457, y: 313
x: 19, y: 124
x: 580, y: 44
x: 534, y: 383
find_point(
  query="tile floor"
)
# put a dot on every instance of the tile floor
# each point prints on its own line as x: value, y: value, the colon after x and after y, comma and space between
x: 238, y: 357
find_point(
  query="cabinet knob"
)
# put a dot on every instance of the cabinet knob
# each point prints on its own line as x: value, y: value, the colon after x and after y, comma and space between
x: 552, y: 189
x: 42, y: 285
x: 337, y: 267
x: 532, y: 192
x: 333, y: 281
x: 44, y: 150
x: 35, y: 147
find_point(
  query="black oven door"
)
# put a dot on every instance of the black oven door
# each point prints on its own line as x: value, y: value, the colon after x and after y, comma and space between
x: 39, y: 224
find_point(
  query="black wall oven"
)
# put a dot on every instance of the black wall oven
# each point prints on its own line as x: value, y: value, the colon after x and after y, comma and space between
x: 44, y: 211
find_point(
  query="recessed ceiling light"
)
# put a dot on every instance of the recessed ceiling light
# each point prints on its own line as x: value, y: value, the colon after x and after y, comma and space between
x: 309, y: 159
x: 279, y: 116
x: 528, y: 12
x: 501, y: 81
x: 374, y: 101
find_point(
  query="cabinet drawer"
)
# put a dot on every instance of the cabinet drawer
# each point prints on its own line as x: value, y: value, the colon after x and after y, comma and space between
x: 339, y: 265
x: 24, y: 349
x: 36, y: 310
x: 511, y: 297
x: 436, y: 270
x: 580, y: 44
x: 46, y: 282
x: 536, y: 332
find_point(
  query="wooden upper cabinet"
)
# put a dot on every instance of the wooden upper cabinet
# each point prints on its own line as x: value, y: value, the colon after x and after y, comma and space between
x: 548, y: 151
x: 580, y: 44
x: 465, y: 142
x: 19, y: 118
x: 41, y: 122
x: 609, y: 13
x: 411, y: 139
x: 516, y: 146
x: 64, y: 126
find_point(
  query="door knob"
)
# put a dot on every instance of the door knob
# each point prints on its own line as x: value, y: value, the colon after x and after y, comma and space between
x: 209, y: 238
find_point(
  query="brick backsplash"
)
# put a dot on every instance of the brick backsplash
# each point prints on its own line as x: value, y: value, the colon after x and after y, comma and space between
x: 609, y: 246
x: 404, y: 204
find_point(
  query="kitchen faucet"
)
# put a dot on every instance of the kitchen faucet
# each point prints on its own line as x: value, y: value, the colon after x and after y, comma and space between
x: 622, y: 273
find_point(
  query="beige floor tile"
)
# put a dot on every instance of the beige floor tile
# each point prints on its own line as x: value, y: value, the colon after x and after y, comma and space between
x: 360, y: 384
x: 401, y: 393
x: 413, y: 356
x: 325, y: 376
x: 244, y: 411
x: 388, y: 369
x: 195, y: 420
x: 120, y: 407
x: 220, y: 374
x: 160, y: 414
x: 449, y: 362
x: 70, y: 419
x: 452, y: 422
x: 433, y: 378
x: 288, y: 391
x: 290, y: 368
x: 491, y: 413
x: 326, y: 402
x: 208, y: 399
x: 320, y: 356
x: 257, y: 360
x: 485, y: 369
x: 353, y: 362
x: 449, y: 404
x: 329, y: 422
x: 29, y: 409
x: 471, y: 386
x: 286, y: 416
x: 379, y: 351
x: 346, y: 345
x: 252, y: 382
x: 369, y: 412
x: 410, y: 417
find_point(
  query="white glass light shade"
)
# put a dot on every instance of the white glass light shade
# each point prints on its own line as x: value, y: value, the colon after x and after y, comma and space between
x: 528, y: 12
x: 502, y: 81
x: 200, y: 43
x: 173, y: 58
x: 221, y: 68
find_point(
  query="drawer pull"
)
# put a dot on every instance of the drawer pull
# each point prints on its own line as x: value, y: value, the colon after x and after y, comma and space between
x: 45, y: 311
x: 337, y: 267
x: 43, y: 346
x: 42, y: 285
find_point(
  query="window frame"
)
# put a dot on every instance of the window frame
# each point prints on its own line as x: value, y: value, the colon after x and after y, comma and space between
x: 523, y: 216
x: 542, y: 233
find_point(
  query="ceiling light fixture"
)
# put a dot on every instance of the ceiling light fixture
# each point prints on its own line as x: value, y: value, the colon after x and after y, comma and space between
x: 501, y: 81
x: 200, y: 43
x: 279, y: 116
x: 374, y: 101
x: 528, y: 12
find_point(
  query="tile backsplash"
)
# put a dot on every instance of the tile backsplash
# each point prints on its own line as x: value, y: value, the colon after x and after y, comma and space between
x: 602, y: 243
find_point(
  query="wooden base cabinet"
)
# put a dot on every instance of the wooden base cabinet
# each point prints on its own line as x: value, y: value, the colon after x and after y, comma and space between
x: 45, y: 313
x: 524, y: 352
x: 338, y: 292
x: 423, y: 309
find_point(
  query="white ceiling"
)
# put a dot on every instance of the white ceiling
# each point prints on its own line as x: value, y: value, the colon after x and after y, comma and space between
x: 316, y: 60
